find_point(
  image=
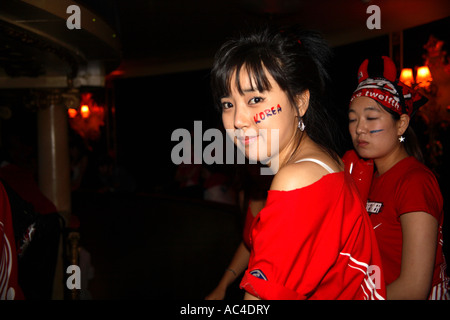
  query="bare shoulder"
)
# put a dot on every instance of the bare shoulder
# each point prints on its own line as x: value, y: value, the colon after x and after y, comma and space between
x: 297, y: 175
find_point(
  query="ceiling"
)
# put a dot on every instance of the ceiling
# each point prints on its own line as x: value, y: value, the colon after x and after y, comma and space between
x: 171, y: 35
x: 148, y: 37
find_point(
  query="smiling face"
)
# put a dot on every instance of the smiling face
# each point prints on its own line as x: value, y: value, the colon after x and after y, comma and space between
x: 373, y: 130
x: 264, y: 123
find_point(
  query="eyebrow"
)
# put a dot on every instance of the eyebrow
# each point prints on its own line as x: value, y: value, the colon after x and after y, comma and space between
x: 243, y: 91
x: 371, y: 109
x: 366, y: 109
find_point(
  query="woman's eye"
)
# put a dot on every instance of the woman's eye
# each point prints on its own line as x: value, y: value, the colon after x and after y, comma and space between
x: 255, y: 100
x: 351, y: 120
x: 370, y: 118
x: 226, y: 105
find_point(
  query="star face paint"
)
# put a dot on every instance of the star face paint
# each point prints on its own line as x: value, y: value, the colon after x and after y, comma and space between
x: 267, y: 113
x: 375, y: 131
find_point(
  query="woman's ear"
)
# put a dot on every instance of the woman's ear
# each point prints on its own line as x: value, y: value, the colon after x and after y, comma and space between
x: 402, y: 124
x: 302, y: 102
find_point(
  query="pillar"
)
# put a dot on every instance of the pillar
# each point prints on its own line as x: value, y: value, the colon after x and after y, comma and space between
x: 54, y: 166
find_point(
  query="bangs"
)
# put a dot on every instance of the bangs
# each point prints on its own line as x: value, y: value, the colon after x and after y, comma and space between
x: 255, y: 72
x: 241, y: 64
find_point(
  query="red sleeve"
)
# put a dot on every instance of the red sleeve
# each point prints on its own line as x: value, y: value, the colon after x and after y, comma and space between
x: 419, y: 191
x: 361, y: 172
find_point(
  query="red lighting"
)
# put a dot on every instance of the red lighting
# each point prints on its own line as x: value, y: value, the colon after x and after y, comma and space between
x: 88, y: 119
x: 116, y: 73
x: 72, y: 113
x: 84, y: 110
x: 423, y: 77
x: 407, y: 76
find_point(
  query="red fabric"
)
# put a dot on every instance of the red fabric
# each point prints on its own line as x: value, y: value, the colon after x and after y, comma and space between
x: 314, y: 242
x: 408, y: 186
x: 247, y: 227
x: 361, y: 171
x: 22, y: 182
x: 9, y: 286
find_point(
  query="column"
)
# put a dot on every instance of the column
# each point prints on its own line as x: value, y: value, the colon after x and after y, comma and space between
x: 54, y: 166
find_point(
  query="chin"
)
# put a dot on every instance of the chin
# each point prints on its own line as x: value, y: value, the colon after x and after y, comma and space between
x: 365, y: 154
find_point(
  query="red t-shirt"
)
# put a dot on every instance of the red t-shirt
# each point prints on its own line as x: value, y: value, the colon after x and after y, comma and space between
x: 408, y: 186
x: 9, y: 286
x: 22, y: 182
x: 314, y: 242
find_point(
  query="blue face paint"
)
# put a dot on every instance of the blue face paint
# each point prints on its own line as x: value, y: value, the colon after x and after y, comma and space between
x: 375, y: 131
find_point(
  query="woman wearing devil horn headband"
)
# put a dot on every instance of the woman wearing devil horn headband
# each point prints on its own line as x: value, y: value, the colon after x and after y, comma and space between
x: 403, y: 197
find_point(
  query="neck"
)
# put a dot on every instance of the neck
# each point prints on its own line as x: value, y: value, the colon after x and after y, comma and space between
x: 386, y: 162
x: 293, y: 151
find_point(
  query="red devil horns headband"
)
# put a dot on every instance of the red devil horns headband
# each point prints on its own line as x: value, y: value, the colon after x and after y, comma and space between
x: 387, y: 90
x: 389, y: 70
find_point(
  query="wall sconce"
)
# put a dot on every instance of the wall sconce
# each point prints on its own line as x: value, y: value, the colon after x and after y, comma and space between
x: 407, y: 77
x: 87, y: 118
x: 423, y: 80
x: 423, y: 77
x: 84, y: 111
x: 72, y: 113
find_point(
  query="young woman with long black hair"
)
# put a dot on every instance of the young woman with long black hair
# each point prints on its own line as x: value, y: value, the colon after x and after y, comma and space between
x: 313, y: 239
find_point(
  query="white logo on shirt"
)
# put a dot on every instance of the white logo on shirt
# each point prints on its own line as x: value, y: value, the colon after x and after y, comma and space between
x: 373, y: 207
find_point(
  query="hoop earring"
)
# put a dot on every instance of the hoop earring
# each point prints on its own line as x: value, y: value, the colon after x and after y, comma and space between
x: 301, y: 124
x: 401, y: 139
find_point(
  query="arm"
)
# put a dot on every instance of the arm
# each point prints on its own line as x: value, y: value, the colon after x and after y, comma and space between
x: 420, y: 231
x: 249, y: 296
x: 238, y: 264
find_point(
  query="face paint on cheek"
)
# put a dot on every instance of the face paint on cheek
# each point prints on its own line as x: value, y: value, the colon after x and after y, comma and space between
x: 267, y: 113
x: 375, y: 131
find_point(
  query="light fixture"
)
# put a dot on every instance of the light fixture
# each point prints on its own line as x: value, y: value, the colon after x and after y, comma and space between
x: 72, y: 113
x: 407, y: 77
x: 423, y: 77
x: 84, y: 111
x: 88, y: 118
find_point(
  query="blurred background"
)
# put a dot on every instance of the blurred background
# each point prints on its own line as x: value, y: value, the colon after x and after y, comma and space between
x: 90, y: 96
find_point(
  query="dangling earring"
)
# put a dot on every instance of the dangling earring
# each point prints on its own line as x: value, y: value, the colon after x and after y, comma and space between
x: 301, y: 124
x: 401, y: 139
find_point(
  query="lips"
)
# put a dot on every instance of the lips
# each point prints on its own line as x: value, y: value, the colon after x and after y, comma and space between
x: 246, y: 140
x: 362, y: 143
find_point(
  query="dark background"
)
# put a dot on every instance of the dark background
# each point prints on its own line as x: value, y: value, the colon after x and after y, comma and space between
x: 149, y: 109
x: 150, y: 244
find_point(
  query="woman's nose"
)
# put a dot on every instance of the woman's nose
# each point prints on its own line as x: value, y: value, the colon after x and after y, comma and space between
x: 241, y: 118
x: 360, y: 127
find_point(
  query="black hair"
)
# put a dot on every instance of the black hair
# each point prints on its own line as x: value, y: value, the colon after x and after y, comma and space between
x: 297, y: 59
x: 411, y: 142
